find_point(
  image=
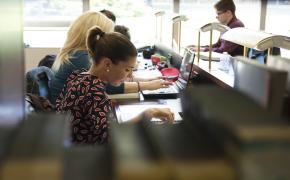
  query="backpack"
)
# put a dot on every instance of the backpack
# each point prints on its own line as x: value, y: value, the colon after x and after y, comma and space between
x: 37, y: 81
x: 38, y: 104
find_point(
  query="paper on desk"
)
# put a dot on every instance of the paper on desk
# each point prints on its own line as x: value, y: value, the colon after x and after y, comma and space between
x: 214, y: 56
x: 147, y: 73
x: 128, y: 112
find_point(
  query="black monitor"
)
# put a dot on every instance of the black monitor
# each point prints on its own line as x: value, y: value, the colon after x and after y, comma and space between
x: 186, y: 66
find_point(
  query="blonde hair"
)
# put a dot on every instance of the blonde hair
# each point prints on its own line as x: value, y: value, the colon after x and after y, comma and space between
x: 76, y: 36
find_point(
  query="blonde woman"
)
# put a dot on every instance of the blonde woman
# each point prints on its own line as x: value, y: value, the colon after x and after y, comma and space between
x: 74, y: 56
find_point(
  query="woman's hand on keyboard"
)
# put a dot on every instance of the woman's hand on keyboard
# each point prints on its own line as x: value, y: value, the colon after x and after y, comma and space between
x: 161, y: 113
x: 155, y: 84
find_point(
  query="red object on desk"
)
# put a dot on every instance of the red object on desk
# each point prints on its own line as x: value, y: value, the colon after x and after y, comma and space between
x: 170, y: 73
x: 155, y: 59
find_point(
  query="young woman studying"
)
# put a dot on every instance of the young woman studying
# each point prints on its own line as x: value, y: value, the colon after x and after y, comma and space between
x: 113, y: 59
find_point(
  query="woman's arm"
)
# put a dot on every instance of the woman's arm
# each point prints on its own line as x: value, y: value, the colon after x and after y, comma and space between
x: 131, y: 87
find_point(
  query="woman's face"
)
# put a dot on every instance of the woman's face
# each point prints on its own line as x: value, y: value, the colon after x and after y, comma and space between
x: 120, y: 72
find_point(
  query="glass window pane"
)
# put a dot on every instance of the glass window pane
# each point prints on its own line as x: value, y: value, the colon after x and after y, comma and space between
x: 137, y: 15
x: 201, y: 12
x: 44, y: 19
x: 46, y: 12
x: 249, y: 12
x: 45, y: 38
x: 277, y: 20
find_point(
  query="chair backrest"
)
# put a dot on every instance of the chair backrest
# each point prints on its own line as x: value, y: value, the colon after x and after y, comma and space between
x: 37, y: 81
x: 262, y: 56
x: 259, y: 56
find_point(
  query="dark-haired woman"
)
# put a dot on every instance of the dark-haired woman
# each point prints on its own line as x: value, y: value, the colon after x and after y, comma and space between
x: 114, y: 58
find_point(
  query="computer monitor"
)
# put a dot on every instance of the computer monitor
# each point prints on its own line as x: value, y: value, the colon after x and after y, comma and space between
x: 186, y: 66
x: 180, y: 84
x: 263, y: 84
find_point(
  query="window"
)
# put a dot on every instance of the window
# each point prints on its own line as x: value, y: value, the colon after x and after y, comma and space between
x: 137, y: 15
x: 48, y: 13
x: 201, y: 12
x: 277, y: 20
x: 44, y: 19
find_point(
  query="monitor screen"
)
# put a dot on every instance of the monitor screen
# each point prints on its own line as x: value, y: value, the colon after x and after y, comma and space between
x: 186, y: 65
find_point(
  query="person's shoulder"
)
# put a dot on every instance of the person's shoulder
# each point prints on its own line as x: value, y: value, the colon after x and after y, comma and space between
x: 89, y: 79
x: 79, y: 54
x: 236, y: 23
x: 76, y: 53
x: 75, y: 74
x: 80, y: 59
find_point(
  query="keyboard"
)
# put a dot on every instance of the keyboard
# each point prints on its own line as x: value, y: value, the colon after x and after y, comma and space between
x: 169, y: 89
x: 164, y: 90
x: 169, y: 92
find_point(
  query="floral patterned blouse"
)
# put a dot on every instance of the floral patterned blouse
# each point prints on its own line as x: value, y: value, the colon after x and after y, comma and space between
x: 84, y: 96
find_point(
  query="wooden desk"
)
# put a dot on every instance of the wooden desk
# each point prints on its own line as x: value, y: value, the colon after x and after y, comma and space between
x: 146, y: 69
x: 214, y: 75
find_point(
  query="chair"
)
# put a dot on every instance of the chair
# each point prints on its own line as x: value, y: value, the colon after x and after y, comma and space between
x: 261, y: 56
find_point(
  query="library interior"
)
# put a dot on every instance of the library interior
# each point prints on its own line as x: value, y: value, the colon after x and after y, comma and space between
x: 145, y: 89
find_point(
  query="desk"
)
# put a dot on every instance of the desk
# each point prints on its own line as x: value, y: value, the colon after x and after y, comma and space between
x: 126, y: 110
x: 214, y: 74
x: 146, y: 69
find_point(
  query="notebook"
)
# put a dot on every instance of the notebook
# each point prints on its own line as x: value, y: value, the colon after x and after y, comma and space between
x: 181, y: 83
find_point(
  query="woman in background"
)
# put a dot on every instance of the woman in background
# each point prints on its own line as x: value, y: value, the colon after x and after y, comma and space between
x: 109, y: 14
x: 123, y: 30
x: 114, y: 58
